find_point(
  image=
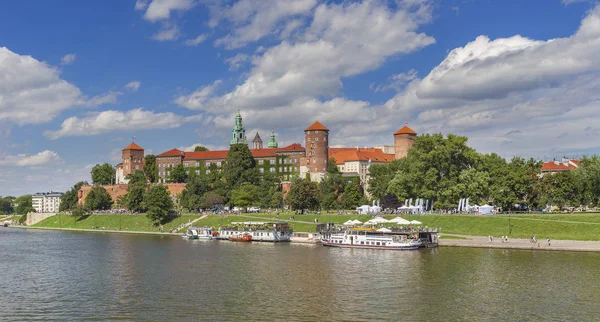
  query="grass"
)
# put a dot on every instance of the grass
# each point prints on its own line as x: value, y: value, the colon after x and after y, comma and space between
x: 111, y: 222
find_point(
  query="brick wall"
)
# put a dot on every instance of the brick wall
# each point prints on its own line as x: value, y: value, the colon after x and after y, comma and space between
x: 118, y: 190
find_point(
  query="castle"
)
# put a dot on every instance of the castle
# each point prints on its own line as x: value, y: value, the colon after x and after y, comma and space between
x: 308, y: 161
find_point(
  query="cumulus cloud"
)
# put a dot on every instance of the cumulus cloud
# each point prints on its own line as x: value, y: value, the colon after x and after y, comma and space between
x: 196, y: 41
x: 24, y: 160
x: 161, y: 9
x: 141, y: 5
x: 211, y: 147
x: 133, y: 86
x: 167, y: 33
x: 198, y: 98
x: 108, y: 98
x: 109, y: 121
x: 236, y: 61
x: 68, y: 59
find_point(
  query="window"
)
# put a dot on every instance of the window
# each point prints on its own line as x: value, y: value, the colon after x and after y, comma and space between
x: 280, y: 169
x: 218, y: 163
x: 272, y: 169
x: 197, y: 171
x: 207, y: 171
x: 186, y: 164
x: 208, y: 163
x: 262, y: 170
x: 261, y: 161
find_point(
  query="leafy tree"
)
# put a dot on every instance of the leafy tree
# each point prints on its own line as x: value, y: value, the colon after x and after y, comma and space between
x: 177, y: 174
x: 240, y: 166
x: 69, y: 199
x: 588, y: 178
x: 560, y: 189
x: 191, y: 196
x: 150, y: 168
x: 200, y: 148
x: 6, y: 206
x: 381, y: 175
x: 352, y: 196
x: 331, y: 189
x: 103, y: 174
x: 276, y: 199
x: 390, y: 200
x: 303, y: 194
x: 158, y: 203
x: 212, y: 199
x: 23, y: 205
x: 134, y: 198
x: 245, y: 196
x: 98, y: 199
x: 332, y: 168
x: 79, y: 211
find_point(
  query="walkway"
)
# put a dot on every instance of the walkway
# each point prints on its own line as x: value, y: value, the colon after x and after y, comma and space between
x: 483, y: 242
x: 275, y: 219
x: 189, y: 223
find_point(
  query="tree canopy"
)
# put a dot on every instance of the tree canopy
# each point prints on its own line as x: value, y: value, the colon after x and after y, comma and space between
x: 240, y: 166
x: 150, y: 168
x: 69, y: 199
x: 200, y: 148
x: 158, y: 204
x: 23, y: 205
x: 303, y: 194
x: 103, y: 174
x: 177, y: 174
x: 98, y: 199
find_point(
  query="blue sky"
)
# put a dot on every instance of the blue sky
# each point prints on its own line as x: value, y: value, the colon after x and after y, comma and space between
x: 78, y: 79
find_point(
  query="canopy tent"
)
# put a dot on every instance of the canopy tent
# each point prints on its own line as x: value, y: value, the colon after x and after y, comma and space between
x: 384, y: 230
x: 368, y: 210
x: 415, y: 222
x: 357, y: 222
x: 486, y: 210
x: 400, y: 221
x: 348, y: 223
x: 376, y: 220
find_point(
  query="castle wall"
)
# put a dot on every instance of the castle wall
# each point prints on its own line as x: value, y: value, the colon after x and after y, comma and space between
x: 119, y: 190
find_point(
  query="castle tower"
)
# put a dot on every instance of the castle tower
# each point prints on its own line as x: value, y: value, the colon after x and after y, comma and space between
x: 133, y: 159
x: 317, y: 149
x: 403, y: 141
x: 257, y: 142
x: 272, y: 141
x: 238, y: 133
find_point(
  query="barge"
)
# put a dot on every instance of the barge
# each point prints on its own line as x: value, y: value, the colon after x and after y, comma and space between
x: 259, y: 231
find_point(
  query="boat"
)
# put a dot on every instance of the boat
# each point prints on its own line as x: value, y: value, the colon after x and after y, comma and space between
x: 260, y: 231
x: 191, y: 234
x: 304, y: 237
x: 203, y: 232
x: 243, y: 237
x: 369, y: 238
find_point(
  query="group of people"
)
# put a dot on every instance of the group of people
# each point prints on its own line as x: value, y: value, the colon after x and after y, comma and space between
x: 503, y: 238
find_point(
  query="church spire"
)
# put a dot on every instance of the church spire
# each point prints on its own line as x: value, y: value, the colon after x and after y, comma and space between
x: 272, y: 141
x: 238, y: 133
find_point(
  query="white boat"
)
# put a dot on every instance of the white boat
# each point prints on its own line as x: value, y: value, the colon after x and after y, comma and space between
x: 191, y: 234
x: 301, y: 237
x: 371, y: 239
x: 199, y: 233
x: 260, y: 231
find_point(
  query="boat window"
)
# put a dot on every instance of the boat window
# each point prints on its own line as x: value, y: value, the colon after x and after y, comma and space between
x: 378, y: 244
x: 362, y: 242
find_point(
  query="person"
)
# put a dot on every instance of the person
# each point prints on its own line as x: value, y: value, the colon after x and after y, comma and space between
x: 548, y: 241
x: 507, y: 238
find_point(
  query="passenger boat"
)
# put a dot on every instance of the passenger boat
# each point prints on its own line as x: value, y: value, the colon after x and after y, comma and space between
x: 302, y: 237
x: 191, y: 234
x: 203, y: 232
x: 260, y: 231
x: 372, y: 239
x: 244, y: 237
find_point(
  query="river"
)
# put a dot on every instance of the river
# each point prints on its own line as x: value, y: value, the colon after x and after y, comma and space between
x: 57, y: 275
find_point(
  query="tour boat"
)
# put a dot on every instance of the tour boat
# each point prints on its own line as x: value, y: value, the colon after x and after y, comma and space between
x: 371, y: 239
x: 260, y: 231
x: 305, y: 237
x: 245, y: 237
x: 203, y: 232
x: 191, y: 234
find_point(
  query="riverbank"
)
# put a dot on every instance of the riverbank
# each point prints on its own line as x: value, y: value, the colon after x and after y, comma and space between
x: 519, y: 243
x: 99, y: 230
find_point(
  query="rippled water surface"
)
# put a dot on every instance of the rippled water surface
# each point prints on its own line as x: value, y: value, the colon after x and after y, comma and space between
x: 53, y: 275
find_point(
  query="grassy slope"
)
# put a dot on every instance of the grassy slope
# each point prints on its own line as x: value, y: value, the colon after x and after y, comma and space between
x: 125, y: 222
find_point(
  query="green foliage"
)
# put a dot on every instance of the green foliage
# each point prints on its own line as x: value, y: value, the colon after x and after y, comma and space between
x: 134, y: 198
x: 245, y: 196
x: 103, y: 174
x: 200, y: 148
x: 332, y: 168
x: 331, y: 189
x: 560, y: 189
x: 212, y: 199
x: 150, y: 168
x: 240, y: 167
x: 98, y: 199
x: 352, y: 196
x: 6, y: 206
x: 158, y: 204
x: 177, y: 174
x: 68, y: 201
x: 23, y: 219
x: 303, y: 195
x: 24, y: 205
x: 79, y: 211
x: 191, y: 196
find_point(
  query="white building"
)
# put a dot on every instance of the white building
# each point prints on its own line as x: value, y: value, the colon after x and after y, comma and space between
x: 46, y: 202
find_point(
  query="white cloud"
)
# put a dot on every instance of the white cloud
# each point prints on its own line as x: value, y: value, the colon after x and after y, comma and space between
x: 397, y: 82
x: 108, y: 98
x: 236, y: 61
x: 109, y: 121
x: 68, y: 59
x: 167, y: 33
x: 255, y: 19
x: 141, y: 5
x: 199, y: 98
x: 23, y: 160
x: 161, y: 9
x: 196, y: 41
x: 208, y: 146
x: 133, y: 86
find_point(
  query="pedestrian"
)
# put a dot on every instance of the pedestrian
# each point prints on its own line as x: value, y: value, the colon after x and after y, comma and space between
x: 507, y: 238
x: 548, y: 241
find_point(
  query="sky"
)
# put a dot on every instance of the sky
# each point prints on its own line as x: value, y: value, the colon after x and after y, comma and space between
x: 79, y: 79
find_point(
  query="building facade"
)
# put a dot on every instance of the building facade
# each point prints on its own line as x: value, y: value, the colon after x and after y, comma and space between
x: 314, y: 164
x: 46, y: 202
x: 555, y: 166
x: 133, y: 160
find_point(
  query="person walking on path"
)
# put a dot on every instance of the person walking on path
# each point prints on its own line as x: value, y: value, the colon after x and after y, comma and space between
x: 548, y: 240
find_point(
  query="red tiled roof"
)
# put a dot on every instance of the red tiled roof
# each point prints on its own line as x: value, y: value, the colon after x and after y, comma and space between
x: 203, y: 155
x: 317, y: 126
x: 405, y: 130
x: 552, y: 166
x: 342, y: 155
x: 133, y: 146
x: 292, y: 147
x: 171, y: 153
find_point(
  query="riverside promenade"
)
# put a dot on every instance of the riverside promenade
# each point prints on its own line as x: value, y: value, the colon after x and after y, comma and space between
x: 542, y: 244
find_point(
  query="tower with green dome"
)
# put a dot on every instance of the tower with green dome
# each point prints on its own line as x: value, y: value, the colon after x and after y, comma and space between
x: 238, y: 134
x: 272, y: 141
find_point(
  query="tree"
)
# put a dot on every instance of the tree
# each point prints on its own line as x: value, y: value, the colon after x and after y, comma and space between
x: 177, y: 174
x: 134, y: 198
x: 136, y: 178
x: 191, y: 196
x: 79, y: 211
x: 212, y: 199
x: 103, y: 174
x: 352, y: 196
x: 23, y: 205
x: 200, y: 148
x: 158, y: 203
x: 332, y: 168
x: 240, y: 166
x: 303, y: 194
x: 150, y: 168
x: 6, y: 206
x: 245, y: 196
x: 331, y: 189
x: 98, y: 199
x: 390, y: 200
x: 69, y: 199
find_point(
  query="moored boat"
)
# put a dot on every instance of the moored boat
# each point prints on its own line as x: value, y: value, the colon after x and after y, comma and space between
x: 260, y: 231
x: 244, y: 237
x: 204, y: 232
x: 372, y: 239
x: 305, y: 237
x: 191, y: 234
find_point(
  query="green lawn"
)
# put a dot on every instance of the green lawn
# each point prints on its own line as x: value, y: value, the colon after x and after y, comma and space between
x: 111, y: 222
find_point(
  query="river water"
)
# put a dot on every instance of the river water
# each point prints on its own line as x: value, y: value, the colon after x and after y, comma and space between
x: 55, y: 275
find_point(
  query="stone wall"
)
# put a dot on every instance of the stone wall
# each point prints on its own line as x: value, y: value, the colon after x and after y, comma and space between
x: 35, y: 217
x: 118, y: 190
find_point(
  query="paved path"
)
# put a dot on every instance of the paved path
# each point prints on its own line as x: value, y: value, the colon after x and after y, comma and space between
x: 190, y: 223
x: 275, y: 219
x: 483, y: 242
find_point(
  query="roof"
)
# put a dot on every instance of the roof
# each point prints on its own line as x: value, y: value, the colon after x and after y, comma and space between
x: 555, y: 166
x: 203, y: 155
x: 133, y: 146
x: 292, y: 147
x: 343, y: 155
x: 405, y: 130
x: 257, y: 138
x: 171, y: 153
x: 317, y: 126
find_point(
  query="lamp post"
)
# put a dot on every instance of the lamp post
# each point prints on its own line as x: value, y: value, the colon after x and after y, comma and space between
x: 509, y: 226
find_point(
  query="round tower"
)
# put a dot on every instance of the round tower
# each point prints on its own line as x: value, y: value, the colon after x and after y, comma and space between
x: 404, y: 139
x: 317, y: 150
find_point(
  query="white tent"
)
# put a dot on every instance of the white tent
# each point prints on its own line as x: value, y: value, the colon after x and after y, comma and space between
x: 380, y: 220
x: 486, y: 210
x: 400, y: 221
x: 368, y: 210
x: 349, y: 223
x: 415, y: 222
x: 356, y: 222
x: 384, y: 230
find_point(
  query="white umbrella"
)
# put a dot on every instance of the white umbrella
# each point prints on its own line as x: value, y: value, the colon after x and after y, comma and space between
x: 379, y: 220
x: 356, y: 222
x: 384, y: 230
x: 415, y: 222
x: 400, y: 221
x: 349, y: 223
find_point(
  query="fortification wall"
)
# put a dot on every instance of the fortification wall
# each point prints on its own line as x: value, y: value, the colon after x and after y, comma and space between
x: 118, y: 190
